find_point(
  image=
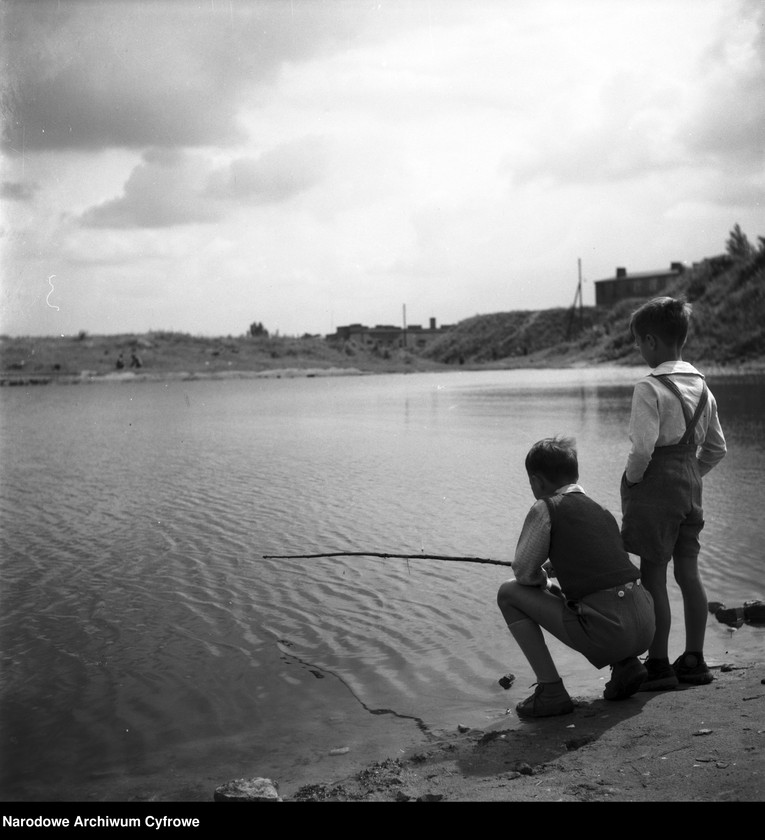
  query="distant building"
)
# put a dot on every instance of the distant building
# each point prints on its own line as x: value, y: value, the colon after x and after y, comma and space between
x: 641, y: 284
x: 388, y: 336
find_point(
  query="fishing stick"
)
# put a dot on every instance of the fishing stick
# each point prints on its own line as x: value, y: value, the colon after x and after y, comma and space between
x: 386, y: 556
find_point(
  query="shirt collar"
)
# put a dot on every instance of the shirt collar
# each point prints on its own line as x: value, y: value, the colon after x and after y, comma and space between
x: 569, y: 488
x: 675, y: 366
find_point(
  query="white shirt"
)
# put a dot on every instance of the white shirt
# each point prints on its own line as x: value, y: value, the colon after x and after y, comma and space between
x: 657, y: 419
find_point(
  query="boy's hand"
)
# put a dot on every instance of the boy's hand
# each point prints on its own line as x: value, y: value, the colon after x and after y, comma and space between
x: 628, y: 483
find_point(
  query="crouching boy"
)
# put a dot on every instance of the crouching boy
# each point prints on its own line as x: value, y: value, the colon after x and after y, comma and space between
x: 599, y: 608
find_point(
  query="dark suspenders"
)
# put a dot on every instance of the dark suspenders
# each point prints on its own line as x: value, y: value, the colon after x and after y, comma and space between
x: 690, y: 419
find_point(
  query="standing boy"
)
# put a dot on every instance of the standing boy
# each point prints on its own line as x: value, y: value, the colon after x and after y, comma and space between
x: 676, y: 439
x: 600, y: 608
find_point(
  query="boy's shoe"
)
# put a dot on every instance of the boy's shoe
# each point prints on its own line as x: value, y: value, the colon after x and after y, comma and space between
x: 660, y: 677
x: 626, y: 678
x: 547, y: 700
x: 692, y: 669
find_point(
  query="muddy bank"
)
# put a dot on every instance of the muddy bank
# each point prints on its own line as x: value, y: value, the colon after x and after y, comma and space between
x: 701, y: 744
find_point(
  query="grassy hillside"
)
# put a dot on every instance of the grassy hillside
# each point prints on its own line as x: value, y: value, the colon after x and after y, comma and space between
x: 728, y: 326
x: 520, y: 336
x: 49, y: 359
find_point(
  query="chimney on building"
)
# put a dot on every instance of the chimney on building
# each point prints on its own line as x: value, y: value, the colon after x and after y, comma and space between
x: 678, y: 267
x: 432, y: 323
x: 621, y: 272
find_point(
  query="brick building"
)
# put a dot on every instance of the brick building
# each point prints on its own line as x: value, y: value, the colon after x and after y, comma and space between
x: 640, y: 284
x: 414, y: 337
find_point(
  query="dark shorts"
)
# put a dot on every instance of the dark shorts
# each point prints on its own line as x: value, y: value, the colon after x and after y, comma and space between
x: 662, y: 515
x: 611, y: 624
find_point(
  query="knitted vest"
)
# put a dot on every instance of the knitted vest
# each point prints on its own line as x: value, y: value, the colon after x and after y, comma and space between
x: 586, y: 548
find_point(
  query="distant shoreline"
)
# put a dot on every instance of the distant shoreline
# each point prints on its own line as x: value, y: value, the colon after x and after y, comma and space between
x: 87, y: 377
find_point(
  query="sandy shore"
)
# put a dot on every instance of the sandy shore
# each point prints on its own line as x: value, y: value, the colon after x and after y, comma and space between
x: 692, y: 745
x: 90, y: 377
x: 700, y: 744
x: 158, y: 373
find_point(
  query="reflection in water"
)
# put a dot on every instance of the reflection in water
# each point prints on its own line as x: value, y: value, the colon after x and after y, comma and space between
x: 145, y: 637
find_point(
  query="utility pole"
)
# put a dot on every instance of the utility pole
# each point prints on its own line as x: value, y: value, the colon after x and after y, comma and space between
x: 577, y: 300
x: 404, y: 342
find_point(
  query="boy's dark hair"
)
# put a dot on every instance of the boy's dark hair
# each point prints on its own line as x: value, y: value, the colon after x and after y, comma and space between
x: 666, y: 317
x: 555, y: 458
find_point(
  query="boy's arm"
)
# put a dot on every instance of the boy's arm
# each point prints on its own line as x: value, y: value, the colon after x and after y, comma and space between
x: 533, y: 548
x: 713, y: 449
x: 644, y: 431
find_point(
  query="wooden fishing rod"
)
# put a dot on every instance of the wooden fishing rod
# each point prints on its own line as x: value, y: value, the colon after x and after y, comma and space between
x: 386, y: 556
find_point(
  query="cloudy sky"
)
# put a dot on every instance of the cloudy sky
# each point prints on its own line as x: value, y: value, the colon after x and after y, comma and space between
x: 197, y: 165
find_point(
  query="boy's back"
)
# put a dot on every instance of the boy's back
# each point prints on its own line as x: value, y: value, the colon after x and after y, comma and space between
x: 585, y: 546
x: 600, y: 609
x: 658, y: 418
x: 676, y: 439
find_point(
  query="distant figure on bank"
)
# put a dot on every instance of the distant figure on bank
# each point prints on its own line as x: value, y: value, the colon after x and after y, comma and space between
x: 120, y: 363
x: 600, y: 608
x: 676, y: 439
x: 135, y: 360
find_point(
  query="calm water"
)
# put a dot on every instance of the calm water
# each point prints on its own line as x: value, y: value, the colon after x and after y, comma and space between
x: 149, y: 651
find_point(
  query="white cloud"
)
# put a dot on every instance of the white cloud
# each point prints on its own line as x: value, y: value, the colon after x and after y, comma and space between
x: 312, y: 164
x: 276, y: 175
x: 163, y: 191
x: 170, y: 188
x: 17, y: 190
x: 727, y: 116
x: 90, y: 75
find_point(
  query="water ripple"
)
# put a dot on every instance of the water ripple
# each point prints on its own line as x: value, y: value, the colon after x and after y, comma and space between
x: 139, y: 614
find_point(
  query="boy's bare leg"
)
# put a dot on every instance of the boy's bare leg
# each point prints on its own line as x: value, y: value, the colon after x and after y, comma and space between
x: 527, y: 609
x: 695, y: 607
x: 654, y: 577
x: 529, y: 638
